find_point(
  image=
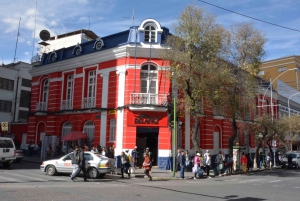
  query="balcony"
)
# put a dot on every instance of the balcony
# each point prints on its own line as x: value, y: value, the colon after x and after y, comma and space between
x: 88, y: 102
x: 66, y: 104
x: 147, y: 101
x: 41, y: 106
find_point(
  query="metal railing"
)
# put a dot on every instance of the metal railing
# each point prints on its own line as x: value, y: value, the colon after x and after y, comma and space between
x: 88, y: 102
x: 148, y: 99
x: 66, y: 104
x: 41, y: 106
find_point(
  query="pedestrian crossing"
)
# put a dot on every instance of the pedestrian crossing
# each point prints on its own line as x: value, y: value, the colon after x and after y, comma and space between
x: 23, y: 176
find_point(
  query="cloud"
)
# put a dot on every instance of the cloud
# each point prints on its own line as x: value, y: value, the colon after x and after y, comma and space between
x: 26, y: 53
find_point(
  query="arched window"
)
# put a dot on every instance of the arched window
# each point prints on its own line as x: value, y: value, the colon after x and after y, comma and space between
x: 66, y: 129
x: 89, y: 130
x: 45, y: 91
x: 148, y: 79
x: 150, y: 34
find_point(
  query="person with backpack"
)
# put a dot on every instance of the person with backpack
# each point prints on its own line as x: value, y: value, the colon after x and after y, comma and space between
x: 124, y: 165
x: 147, y: 165
x: 81, y: 165
x: 230, y: 164
x: 75, y: 160
x: 129, y: 159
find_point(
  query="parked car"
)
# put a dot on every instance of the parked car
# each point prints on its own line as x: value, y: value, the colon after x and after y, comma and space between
x: 295, y: 159
x: 19, y: 155
x: 96, y: 165
x: 7, y: 151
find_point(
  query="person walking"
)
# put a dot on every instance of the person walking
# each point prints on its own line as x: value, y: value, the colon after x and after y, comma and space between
x: 75, y: 160
x: 249, y: 161
x: 269, y: 161
x: 244, y: 162
x: 182, y: 164
x: 177, y: 160
x: 134, y: 156
x: 124, y: 165
x: 208, y: 164
x: 229, y: 164
x: 81, y: 165
x: 147, y: 165
x: 219, y: 164
x: 196, y: 165
x: 187, y: 160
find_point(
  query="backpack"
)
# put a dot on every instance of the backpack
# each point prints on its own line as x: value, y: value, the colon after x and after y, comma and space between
x: 77, y: 159
x: 130, y: 159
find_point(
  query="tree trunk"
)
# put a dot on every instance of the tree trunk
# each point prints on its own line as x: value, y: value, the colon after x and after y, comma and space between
x: 231, y: 139
x: 256, y: 155
x: 195, y: 130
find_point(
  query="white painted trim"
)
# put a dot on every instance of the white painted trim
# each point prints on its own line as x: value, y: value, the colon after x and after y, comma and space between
x: 78, y: 75
x: 120, y: 113
x: 187, y: 131
x: 152, y: 109
x: 220, y: 134
x: 164, y: 153
x: 57, y: 79
x: 152, y: 21
x: 104, y: 102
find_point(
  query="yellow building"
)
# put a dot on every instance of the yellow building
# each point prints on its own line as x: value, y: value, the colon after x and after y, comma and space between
x: 284, y: 69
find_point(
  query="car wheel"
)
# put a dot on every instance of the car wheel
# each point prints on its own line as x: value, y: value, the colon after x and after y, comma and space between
x: 93, y: 173
x: 51, y: 170
x: 6, y: 164
x: 101, y: 175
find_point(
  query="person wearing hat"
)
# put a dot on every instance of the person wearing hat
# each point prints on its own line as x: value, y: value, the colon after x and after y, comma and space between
x: 134, y: 156
x: 196, y: 164
x: 149, y: 154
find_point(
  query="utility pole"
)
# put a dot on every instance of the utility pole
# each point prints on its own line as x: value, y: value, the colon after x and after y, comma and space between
x: 174, y: 136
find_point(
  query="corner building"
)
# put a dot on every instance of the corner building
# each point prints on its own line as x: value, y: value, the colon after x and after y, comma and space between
x: 116, y: 89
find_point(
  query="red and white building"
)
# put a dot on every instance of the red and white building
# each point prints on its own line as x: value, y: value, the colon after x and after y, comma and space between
x: 115, y: 89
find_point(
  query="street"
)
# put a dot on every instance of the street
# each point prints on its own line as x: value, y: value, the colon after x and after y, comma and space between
x: 24, y: 181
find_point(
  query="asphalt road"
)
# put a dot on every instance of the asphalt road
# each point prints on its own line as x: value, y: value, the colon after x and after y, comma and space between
x: 24, y: 181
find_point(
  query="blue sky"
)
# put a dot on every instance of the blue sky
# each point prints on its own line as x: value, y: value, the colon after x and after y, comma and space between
x: 109, y: 17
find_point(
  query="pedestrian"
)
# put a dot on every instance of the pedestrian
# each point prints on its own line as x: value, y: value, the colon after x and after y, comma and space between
x: 261, y: 160
x: 187, y: 160
x: 244, y: 162
x: 134, y: 156
x: 290, y: 161
x: 269, y: 161
x: 279, y: 158
x: 103, y: 151
x: 219, y: 164
x: 75, y: 160
x: 208, y: 164
x: 249, y: 161
x: 94, y: 149
x: 49, y: 151
x: 81, y: 165
x: 30, y: 149
x: 112, y: 152
x: 182, y: 164
x: 229, y: 163
x: 147, y: 165
x: 201, y: 166
x: 124, y: 165
x: 177, y: 160
x: 196, y: 165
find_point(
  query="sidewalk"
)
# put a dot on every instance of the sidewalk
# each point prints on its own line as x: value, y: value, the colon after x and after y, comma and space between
x: 157, y: 174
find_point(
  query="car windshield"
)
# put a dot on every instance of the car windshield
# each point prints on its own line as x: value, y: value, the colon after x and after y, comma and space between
x: 293, y: 155
x: 100, y: 156
x: 6, y: 144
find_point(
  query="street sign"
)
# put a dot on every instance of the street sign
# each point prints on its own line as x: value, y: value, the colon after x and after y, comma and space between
x: 274, y: 143
x: 4, y: 126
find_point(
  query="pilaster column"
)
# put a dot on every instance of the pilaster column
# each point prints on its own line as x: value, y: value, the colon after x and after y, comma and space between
x: 120, y: 113
x: 105, y: 77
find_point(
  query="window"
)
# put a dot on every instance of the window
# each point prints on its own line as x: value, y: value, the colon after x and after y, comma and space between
x: 23, y: 115
x: 6, y: 84
x: 26, y: 82
x: 150, y: 34
x: 5, y: 106
x: 45, y: 91
x: 89, y: 130
x: 112, y: 130
x: 88, y: 157
x: 6, y: 144
x: 69, y: 87
x: 148, y: 79
x: 91, y: 84
x: 67, y: 127
x: 282, y: 69
x: 25, y: 98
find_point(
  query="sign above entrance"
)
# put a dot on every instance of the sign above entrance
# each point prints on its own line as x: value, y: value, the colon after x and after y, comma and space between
x: 145, y: 119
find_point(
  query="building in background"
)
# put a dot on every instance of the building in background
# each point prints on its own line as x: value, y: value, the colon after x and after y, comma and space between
x: 15, y: 93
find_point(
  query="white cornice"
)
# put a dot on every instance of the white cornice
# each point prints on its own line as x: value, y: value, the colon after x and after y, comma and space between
x: 98, y: 57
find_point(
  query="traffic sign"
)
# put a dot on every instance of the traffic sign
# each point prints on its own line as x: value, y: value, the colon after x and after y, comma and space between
x: 4, y: 126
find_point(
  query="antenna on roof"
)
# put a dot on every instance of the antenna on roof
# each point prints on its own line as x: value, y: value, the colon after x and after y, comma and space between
x: 132, y: 17
x: 17, y: 41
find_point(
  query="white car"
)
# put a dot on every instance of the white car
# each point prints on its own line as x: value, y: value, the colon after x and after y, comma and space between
x: 96, y: 165
x: 7, y: 151
x: 295, y: 159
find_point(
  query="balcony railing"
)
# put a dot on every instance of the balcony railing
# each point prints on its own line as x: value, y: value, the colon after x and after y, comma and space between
x: 66, y: 104
x: 88, y: 102
x: 41, y: 106
x: 148, y: 99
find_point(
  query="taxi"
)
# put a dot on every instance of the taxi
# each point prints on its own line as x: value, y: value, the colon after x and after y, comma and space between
x: 95, y: 164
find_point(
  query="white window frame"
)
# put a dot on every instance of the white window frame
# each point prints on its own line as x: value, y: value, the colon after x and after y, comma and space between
x: 89, y: 130
x: 149, y: 79
x: 112, y: 130
x: 150, y: 32
x: 91, y: 77
x: 45, y: 91
x: 70, y: 87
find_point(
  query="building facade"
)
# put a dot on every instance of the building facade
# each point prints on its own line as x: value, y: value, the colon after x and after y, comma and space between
x: 116, y: 89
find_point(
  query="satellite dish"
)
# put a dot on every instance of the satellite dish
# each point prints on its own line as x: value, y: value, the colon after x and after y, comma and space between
x: 44, y: 35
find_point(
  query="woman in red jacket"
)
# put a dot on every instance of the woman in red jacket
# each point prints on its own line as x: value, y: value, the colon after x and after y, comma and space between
x: 147, y: 165
x: 244, y: 162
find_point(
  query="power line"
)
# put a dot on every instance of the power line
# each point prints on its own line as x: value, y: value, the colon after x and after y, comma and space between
x: 250, y: 16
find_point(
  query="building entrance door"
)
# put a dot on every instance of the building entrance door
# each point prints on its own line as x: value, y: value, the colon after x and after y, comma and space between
x: 147, y: 137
